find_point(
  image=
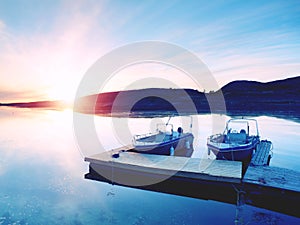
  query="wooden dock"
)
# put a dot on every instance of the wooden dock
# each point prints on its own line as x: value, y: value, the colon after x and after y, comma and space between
x: 268, y: 187
x: 273, y: 188
x: 191, y: 177
x: 273, y: 177
x: 165, y: 166
x: 261, y: 156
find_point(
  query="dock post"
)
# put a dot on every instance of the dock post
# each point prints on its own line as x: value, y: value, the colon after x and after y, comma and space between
x: 240, y: 201
x: 112, y: 173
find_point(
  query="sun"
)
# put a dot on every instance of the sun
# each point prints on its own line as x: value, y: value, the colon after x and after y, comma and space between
x: 65, y: 94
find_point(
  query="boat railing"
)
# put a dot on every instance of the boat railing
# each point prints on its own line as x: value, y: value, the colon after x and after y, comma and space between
x: 164, y: 128
x: 144, y: 143
x: 141, y: 136
x: 216, y: 136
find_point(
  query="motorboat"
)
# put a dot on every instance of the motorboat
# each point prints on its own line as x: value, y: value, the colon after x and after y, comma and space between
x: 237, y: 142
x: 165, y: 141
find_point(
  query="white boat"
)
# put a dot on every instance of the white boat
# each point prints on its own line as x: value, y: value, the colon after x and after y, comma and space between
x: 237, y: 142
x: 165, y: 141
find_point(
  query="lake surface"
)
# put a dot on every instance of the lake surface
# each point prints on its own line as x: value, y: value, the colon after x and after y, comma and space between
x: 42, y: 170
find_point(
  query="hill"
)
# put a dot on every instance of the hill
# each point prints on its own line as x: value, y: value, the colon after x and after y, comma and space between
x: 37, y: 104
x: 241, y: 98
x: 280, y: 97
x: 248, y: 98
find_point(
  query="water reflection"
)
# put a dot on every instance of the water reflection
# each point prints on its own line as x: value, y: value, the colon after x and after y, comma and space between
x: 41, y: 175
x: 284, y: 135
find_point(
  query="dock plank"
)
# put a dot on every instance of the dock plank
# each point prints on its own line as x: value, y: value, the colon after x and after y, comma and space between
x: 274, y: 177
x: 261, y: 155
x: 227, y: 171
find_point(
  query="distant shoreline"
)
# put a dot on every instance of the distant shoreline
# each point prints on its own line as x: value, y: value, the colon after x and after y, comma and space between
x: 153, y: 114
x: 279, y: 99
x: 288, y: 115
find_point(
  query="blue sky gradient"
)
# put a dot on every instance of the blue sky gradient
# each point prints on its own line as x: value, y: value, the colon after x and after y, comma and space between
x: 47, y: 46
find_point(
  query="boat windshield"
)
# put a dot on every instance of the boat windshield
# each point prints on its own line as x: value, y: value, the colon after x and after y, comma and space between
x: 163, y: 128
x: 247, y: 126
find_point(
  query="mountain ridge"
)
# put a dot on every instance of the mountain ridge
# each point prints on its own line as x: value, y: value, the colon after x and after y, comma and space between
x: 240, y: 97
x: 281, y: 96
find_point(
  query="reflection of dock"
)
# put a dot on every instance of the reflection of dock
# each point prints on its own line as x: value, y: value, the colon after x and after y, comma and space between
x: 263, y: 186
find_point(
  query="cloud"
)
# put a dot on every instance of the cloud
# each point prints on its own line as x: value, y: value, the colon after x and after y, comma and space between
x: 251, y: 41
x: 262, y: 56
x: 258, y: 42
x: 53, y: 62
x: 29, y: 95
x: 2, y: 25
x: 3, y: 32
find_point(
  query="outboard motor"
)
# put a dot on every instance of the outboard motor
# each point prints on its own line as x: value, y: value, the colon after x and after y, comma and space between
x: 180, y: 130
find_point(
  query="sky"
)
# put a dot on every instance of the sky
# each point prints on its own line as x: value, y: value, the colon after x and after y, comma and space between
x: 46, y: 47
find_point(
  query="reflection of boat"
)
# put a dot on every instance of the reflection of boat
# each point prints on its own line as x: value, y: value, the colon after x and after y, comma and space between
x: 165, y: 141
x: 237, y: 141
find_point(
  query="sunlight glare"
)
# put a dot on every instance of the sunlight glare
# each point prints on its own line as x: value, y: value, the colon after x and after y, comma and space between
x: 65, y: 94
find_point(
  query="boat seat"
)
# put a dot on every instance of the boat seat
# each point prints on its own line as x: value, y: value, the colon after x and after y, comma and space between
x: 237, y: 137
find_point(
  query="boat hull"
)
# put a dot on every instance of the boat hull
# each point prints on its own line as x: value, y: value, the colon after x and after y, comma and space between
x: 233, y: 151
x: 183, y: 146
x: 235, y: 155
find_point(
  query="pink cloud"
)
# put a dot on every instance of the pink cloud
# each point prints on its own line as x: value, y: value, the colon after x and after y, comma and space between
x: 2, y: 25
x: 52, y: 62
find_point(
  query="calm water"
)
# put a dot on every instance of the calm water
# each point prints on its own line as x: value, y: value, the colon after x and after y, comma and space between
x: 41, y: 174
